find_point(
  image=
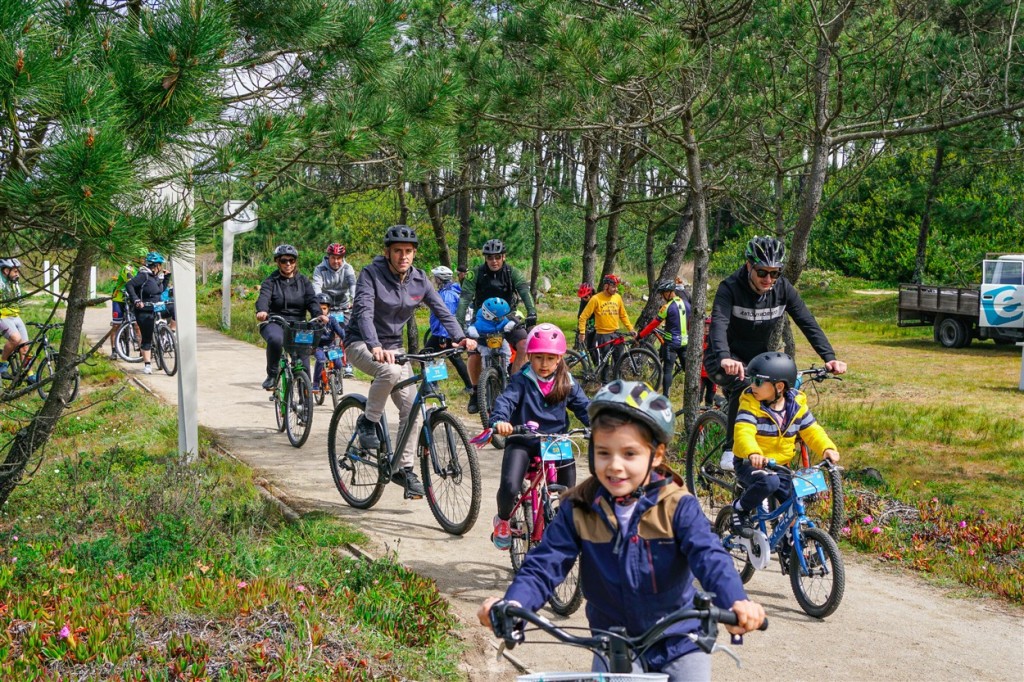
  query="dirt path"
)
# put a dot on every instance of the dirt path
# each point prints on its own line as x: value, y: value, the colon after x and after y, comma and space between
x: 890, y: 626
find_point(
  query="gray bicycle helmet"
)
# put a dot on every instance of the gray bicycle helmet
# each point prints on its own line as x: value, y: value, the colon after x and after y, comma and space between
x: 637, y: 400
x: 493, y: 247
x: 400, y: 234
x: 286, y: 250
x: 773, y: 366
x: 10, y: 263
x: 766, y: 251
x: 442, y: 273
x: 666, y: 285
x: 323, y: 299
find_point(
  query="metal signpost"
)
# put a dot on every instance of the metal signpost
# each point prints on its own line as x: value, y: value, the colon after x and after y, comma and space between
x: 245, y: 221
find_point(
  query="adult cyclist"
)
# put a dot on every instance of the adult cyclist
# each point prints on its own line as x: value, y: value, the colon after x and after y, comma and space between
x: 496, y: 279
x: 387, y: 293
x: 145, y: 289
x: 12, y: 327
x: 748, y: 305
x: 337, y: 278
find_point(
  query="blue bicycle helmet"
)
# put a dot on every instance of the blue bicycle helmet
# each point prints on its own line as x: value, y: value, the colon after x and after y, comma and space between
x: 154, y: 257
x: 494, y: 309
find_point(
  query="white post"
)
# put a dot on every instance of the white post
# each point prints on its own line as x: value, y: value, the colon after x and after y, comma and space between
x: 1020, y: 384
x: 46, y: 275
x: 245, y: 221
x: 55, y: 281
x: 92, y: 282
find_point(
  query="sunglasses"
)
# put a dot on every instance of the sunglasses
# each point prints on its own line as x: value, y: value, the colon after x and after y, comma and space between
x: 494, y: 256
x: 760, y: 381
x: 762, y: 273
x: 286, y: 261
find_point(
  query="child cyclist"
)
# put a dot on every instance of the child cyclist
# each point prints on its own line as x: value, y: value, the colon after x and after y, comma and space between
x: 332, y: 335
x: 640, y: 537
x: 771, y: 415
x: 542, y: 392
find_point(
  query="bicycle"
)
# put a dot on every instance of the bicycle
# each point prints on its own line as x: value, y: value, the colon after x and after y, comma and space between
x: 715, y: 487
x: 495, y: 357
x: 618, y: 650
x: 128, y: 339
x: 165, y: 341
x: 446, y: 457
x: 808, y: 554
x: 43, y: 357
x: 331, y: 376
x: 291, y: 394
x: 638, y: 363
x: 537, y: 504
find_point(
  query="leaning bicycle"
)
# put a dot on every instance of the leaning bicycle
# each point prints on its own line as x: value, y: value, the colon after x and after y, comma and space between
x: 637, y: 363
x: 448, y: 463
x: 39, y: 364
x: 292, y: 394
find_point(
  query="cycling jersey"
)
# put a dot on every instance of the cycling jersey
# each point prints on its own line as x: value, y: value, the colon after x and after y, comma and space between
x: 123, y: 275
x: 10, y: 297
x: 607, y: 311
x: 339, y: 284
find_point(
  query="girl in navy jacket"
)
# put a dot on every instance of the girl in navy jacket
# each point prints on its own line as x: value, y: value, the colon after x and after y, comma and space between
x: 639, y: 535
x: 541, y: 392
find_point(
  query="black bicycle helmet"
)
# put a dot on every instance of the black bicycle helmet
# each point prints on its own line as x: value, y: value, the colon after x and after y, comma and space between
x: 493, y: 247
x: 286, y: 250
x: 400, y: 234
x: 323, y: 299
x: 773, y: 366
x: 666, y: 285
x: 766, y: 251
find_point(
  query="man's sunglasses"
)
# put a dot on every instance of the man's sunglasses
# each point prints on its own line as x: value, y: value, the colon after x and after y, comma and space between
x: 286, y: 261
x: 774, y: 274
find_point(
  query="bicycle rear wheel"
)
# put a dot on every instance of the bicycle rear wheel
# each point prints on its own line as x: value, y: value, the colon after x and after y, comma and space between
x: 356, y: 471
x: 127, y: 343
x: 166, y: 347
x: 828, y: 508
x: 639, y: 364
x: 706, y: 480
x: 299, y: 412
x: 337, y: 385
x: 820, y: 589
x: 488, y: 388
x: 320, y: 393
x: 47, y: 368
x: 568, y: 595
x: 451, y: 474
x: 582, y: 372
x: 723, y: 529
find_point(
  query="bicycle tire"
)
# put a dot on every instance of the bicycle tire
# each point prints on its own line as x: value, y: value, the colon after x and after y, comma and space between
x: 818, y: 547
x: 582, y: 372
x: 488, y: 388
x: 321, y: 393
x: 127, y: 344
x: 280, y: 398
x: 299, y: 414
x: 167, y: 350
x: 723, y: 529
x: 337, y: 385
x: 356, y: 471
x: 521, y: 525
x: 567, y: 596
x: 712, y: 486
x: 454, y: 458
x: 47, y: 368
x: 828, y: 509
x: 639, y: 364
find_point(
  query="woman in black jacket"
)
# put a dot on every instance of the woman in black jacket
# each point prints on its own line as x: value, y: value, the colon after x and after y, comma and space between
x: 145, y: 289
x: 290, y: 295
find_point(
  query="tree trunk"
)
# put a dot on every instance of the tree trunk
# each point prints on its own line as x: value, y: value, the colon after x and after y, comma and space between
x: 701, y: 256
x: 926, y: 216
x: 627, y: 159
x: 465, y: 215
x: 403, y: 204
x: 592, y: 166
x: 675, y: 254
x: 540, y: 164
x: 436, y: 221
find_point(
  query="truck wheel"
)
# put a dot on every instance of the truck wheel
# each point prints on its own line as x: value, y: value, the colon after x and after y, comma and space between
x: 951, y: 332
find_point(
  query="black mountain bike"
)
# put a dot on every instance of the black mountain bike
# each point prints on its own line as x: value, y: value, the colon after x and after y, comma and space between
x: 40, y: 366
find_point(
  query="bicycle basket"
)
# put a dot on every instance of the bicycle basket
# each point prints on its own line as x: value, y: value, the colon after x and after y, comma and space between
x: 334, y: 353
x: 340, y: 317
x: 299, y: 339
x: 159, y: 307
x: 556, y: 450
x: 593, y: 677
x: 809, y: 481
x: 435, y: 371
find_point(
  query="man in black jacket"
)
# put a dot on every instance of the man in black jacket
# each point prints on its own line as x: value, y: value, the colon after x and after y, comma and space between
x: 748, y: 306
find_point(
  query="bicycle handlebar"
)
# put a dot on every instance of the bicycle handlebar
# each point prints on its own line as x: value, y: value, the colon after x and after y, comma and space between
x: 45, y: 327
x: 530, y: 429
x: 309, y: 324
x: 402, y: 358
x: 818, y: 374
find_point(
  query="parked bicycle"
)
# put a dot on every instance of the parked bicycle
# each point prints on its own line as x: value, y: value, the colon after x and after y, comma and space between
x: 618, y: 650
x: 495, y: 358
x: 637, y: 363
x: 806, y: 552
x: 715, y: 487
x: 128, y: 341
x: 448, y: 463
x: 292, y: 394
x: 538, y: 502
x: 40, y: 365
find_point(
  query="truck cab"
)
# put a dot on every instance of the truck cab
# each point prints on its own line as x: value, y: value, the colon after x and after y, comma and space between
x: 1002, y: 297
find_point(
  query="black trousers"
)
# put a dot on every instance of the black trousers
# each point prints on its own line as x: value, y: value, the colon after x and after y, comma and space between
x: 514, y: 464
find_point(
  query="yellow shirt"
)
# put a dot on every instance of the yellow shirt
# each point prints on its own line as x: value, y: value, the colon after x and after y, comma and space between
x: 607, y: 312
x: 10, y: 294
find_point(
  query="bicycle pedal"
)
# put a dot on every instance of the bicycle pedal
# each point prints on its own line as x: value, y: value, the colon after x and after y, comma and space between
x: 412, y: 496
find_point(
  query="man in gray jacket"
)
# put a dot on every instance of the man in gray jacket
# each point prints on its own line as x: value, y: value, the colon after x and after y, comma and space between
x: 336, y: 278
x: 387, y: 293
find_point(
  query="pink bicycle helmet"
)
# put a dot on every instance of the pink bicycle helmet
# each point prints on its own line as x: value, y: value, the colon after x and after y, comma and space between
x: 546, y: 338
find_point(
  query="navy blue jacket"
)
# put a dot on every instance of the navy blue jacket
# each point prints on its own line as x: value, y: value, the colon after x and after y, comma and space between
x: 522, y: 401
x: 633, y: 579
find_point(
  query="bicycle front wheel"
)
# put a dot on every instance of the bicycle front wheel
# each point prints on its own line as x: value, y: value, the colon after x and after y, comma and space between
x: 356, y: 471
x: 521, y: 525
x: 127, y: 343
x: 299, y: 413
x: 488, y: 388
x: 47, y: 368
x: 568, y: 595
x: 280, y: 399
x: 166, y: 347
x: 639, y: 364
x: 819, y: 587
x: 828, y: 508
x: 707, y: 481
x: 451, y: 474
x: 723, y: 529
x: 582, y: 372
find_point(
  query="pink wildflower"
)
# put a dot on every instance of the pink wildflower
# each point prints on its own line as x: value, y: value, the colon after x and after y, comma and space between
x: 300, y: 588
x: 242, y: 584
x: 15, y: 538
x: 846, y: 530
x: 876, y: 530
x: 65, y: 632
x: 963, y: 524
x: 970, y: 552
x: 867, y: 519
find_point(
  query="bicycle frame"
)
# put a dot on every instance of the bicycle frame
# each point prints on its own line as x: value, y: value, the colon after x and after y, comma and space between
x: 785, y: 518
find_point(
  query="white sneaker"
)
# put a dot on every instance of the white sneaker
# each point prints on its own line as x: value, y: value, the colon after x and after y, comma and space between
x: 726, y: 462
x: 147, y: 369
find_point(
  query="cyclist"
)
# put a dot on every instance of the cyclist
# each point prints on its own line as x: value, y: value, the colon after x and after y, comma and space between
x: 748, y: 305
x: 496, y: 278
x: 335, y: 277
x: 118, y: 309
x: 449, y: 292
x: 640, y: 537
x: 12, y: 327
x: 608, y: 312
x: 585, y: 293
x: 542, y: 392
x: 332, y: 335
x: 673, y: 314
x: 387, y: 293
x: 771, y: 415
x: 289, y: 294
x: 146, y: 287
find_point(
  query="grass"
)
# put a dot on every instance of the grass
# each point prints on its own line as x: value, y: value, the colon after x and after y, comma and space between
x: 120, y: 561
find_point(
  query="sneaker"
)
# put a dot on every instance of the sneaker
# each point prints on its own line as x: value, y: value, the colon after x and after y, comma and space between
x: 740, y: 523
x: 408, y: 478
x: 268, y: 383
x: 114, y: 355
x: 726, y: 463
x: 367, y: 432
x: 502, y: 534
x: 5, y: 371
x: 472, y: 408
x: 348, y: 372
x: 147, y: 368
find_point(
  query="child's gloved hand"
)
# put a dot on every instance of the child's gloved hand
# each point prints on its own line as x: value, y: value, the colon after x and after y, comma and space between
x: 509, y: 326
x: 472, y: 332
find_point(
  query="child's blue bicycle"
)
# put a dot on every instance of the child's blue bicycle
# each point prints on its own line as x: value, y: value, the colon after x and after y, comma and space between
x: 807, y: 553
